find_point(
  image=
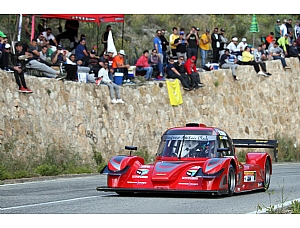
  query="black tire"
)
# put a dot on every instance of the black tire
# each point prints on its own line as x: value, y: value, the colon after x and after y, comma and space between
x: 231, y: 180
x: 267, y: 179
x: 125, y: 193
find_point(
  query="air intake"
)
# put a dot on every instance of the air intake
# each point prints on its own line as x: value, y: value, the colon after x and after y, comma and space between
x: 195, y: 125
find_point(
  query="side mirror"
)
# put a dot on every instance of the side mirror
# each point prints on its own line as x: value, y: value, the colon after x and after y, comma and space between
x: 131, y: 148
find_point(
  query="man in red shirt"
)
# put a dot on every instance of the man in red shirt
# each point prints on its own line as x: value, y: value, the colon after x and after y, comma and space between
x: 143, y: 65
x: 191, y: 70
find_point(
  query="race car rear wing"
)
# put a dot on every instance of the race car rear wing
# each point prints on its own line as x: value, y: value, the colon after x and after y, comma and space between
x: 257, y: 143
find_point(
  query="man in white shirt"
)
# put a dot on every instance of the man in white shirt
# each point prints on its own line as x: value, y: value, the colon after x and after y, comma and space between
x: 241, y: 46
x: 103, y: 73
x: 50, y: 37
x: 283, y: 28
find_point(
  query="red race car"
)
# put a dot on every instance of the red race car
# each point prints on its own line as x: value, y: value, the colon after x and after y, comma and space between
x: 193, y: 159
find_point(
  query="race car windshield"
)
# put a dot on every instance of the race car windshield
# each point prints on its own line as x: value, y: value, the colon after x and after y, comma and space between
x: 194, y: 146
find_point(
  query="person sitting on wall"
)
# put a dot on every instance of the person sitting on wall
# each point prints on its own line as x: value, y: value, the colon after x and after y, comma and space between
x: 118, y: 65
x: 103, y: 73
x: 143, y: 65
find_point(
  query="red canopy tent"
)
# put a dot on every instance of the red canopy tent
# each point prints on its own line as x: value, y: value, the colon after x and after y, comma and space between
x: 96, y: 18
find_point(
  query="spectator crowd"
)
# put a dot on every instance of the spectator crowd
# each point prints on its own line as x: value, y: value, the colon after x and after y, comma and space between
x: 173, y: 57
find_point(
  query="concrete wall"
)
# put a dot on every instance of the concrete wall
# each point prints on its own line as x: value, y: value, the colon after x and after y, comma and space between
x: 81, y: 115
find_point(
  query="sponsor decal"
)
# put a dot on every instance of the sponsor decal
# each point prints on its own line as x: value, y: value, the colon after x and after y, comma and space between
x: 222, y: 133
x: 189, y: 184
x: 260, y: 184
x: 191, y: 172
x: 145, y: 166
x: 160, y: 174
x: 189, y: 178
x: 135, y: 182
x: 190, y: 137
x: 142, y: 171
x: 249, y: 176
x: 137, y: 176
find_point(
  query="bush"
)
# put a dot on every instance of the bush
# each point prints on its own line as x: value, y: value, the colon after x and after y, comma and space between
x: 287, y: 148
x: 47, y: 170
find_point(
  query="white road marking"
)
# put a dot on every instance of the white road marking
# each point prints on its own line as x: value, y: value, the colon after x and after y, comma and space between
x: 47, y: 203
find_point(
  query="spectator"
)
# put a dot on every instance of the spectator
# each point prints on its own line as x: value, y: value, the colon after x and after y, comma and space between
x: 223, y: 41
x: 257, y: 57
x: 173, y: 37
x: 71, y: 68
x: 34, y: 64
x: 50, y: 37
x: 241, y: 46
x: 34, y: 49
x: 41, y: 26
x: 204, y: 46
x: 43, y: 53
x: 277, y: 30
x: 192, y: 41
x: 158, y: 46
x: 71, y: 33
x: 179, y: 66
x: 269, y: 39
x: 156, y: 63
x: 277, y: 53
x: 164, y: 44
x: 94, y: 62
x: 289, y: 28
x: 265, y: 53
x: 103, y: 73
x: 297, y: 30
x: 118, y: 65
x: 191, y: 70
x: 284, y: 44
x: 229, y: 61
x: 215, y: 43
x: 81, y: 53
x: 104, y: 38
x: 143, y: 65
x: 248, y: 59
x: 18, y: 73
x: 174, y: 74
x: 105, y: 58
x: 180, y: 44
x: 283, y: 28
x: 293, y: 51
x: 41, y: 41
x: 271, y: 46
x: 59, y: 56
x: 232, y: 47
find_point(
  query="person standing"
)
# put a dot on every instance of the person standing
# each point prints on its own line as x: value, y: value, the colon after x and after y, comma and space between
x: 180, y: 44
x: 223, y: 41
x: 277, y: 30
x: 192, y: 41
x: 158, y: 47
x: 215, y: 44
x: 173, y: 37
x: 164, y: 44
x: 205, y: 41
x: 104, y: 39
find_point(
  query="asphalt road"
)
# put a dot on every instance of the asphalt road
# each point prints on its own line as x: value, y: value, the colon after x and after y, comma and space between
x: 78, y: 195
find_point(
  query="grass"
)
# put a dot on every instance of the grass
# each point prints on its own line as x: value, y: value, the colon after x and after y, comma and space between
x: 53, y: 160
x: 294, y: 208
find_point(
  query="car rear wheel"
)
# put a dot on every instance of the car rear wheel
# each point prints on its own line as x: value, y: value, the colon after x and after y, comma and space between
x: 267, y: 179
x: 231, y: 181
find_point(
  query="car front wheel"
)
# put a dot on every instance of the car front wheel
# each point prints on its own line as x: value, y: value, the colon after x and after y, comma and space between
x: 231, y: 181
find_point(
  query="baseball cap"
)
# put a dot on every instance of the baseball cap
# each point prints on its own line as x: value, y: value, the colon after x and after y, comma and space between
x: 222, y: 30
x: 2, y: 34
x: 93, y: 51
x: 234, y: 39
x: 278, y: 21
x: 59, y: 47
x: 207, y: 30
x: 286, y: 34
x: 193, y: 57
x: 181, y: 33
x: 106, y: 53
x: 110, y: 51
x: 244, y: 39
x: 284, y: 20
x: 7, y: 46
x: 122, y: 52
x: 197, y: 29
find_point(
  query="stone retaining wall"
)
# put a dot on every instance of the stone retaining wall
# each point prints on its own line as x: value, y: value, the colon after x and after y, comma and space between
x: 81, y: 115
